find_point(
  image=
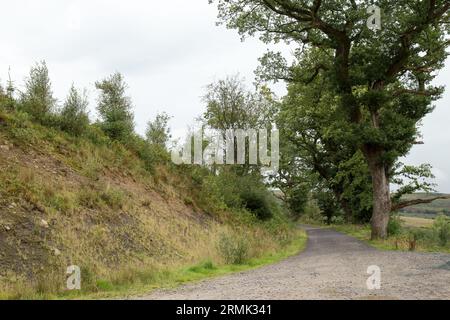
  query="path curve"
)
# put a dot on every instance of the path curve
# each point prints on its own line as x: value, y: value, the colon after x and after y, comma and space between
x: 333, y: 266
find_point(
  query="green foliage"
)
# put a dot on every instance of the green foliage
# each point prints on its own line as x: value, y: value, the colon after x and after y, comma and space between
x: 328, y: 205
x: 312, y: 213
x: 96, y: 135
x: 115, y: 108
x: 158, y: 131
x: 411, y: 179
x: 394, y: 226
x: 353, y: 178
x: 314, y: 155
x: 337, y: 220
x: 7, y: 100
x: 234, y: 250
x: 205, y: 266
x: 150, y: 154
x: 297, y: 199
x: 293, y: 178
x: 441, y: 228
x: 376, y: 87
x: 74, y: 117
x: 230, y: 105
x: 37, y: 100
x: 256, y: 201
x: 231, y: 191
x: 3, y: 98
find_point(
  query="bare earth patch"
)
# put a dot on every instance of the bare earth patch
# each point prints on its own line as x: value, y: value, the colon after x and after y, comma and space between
x: 334, y: 266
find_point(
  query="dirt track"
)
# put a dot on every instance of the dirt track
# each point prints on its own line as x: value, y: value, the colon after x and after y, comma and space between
x: 334, y: 266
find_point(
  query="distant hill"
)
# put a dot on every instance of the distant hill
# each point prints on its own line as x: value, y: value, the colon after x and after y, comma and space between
x: 429, y: 210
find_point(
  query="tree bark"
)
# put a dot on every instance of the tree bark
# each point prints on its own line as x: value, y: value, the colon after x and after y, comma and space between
x: 381, y: 199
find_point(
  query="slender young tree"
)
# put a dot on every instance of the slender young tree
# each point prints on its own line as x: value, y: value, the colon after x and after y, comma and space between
x: 115, y: 108
x: 383, y: 79
x: 74, y: 115
x: 37, y: 99
x: 158, y: 131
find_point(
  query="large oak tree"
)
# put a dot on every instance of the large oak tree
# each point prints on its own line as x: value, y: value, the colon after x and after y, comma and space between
x: 381, y: 79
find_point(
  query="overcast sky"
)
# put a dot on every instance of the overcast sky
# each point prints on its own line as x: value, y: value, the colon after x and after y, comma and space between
x: 168, y: 52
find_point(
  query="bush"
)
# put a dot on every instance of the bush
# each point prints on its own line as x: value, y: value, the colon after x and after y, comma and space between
x: 115, y: 108
x: 150, y: 154
x: 96, y: 135
x: 236, y: 192
x: 394, y: 226
x: 37, y: 100
x: 441, y: 229
x: 233, y: 250
x: 73, y: 117
x: 338, y: 220
x: 256, y: 202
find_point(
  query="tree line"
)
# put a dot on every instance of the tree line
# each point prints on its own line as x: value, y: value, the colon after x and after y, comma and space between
x: 353, y: 109
x: 356, y: 97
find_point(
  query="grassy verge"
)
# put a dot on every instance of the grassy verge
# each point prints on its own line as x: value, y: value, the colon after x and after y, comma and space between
x: 418, y: 239
x: 144, y: 282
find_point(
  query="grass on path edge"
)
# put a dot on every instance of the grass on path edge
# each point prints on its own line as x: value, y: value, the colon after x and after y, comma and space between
x: 394, y: 243
x: 168, y: 279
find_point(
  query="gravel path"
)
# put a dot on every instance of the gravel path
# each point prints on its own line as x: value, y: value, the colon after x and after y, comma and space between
x: 334, y: 266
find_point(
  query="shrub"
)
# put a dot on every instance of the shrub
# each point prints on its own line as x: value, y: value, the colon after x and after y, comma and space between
x: 113, y: 198
x: 96, y: 135
x: 233, y: 250
x: 150, y: 154
x: 115, y: 108
x: 441, y: 228
x: 394, y: 225
x: 256, y: 201
x: 37, y: 100
x: 158, y: 131
x: 339, y: 220
x: 73, y: 117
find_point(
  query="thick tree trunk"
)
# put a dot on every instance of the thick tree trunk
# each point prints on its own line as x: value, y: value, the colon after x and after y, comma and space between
x: 381, y: 200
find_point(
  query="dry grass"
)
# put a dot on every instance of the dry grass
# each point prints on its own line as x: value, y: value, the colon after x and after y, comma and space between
x: 417, y: 222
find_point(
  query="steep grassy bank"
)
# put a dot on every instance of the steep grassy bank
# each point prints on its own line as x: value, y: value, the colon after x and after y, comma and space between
x: 94, y: 203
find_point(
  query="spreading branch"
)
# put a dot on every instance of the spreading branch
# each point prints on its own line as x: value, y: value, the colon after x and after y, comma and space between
x: 409, y: 203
